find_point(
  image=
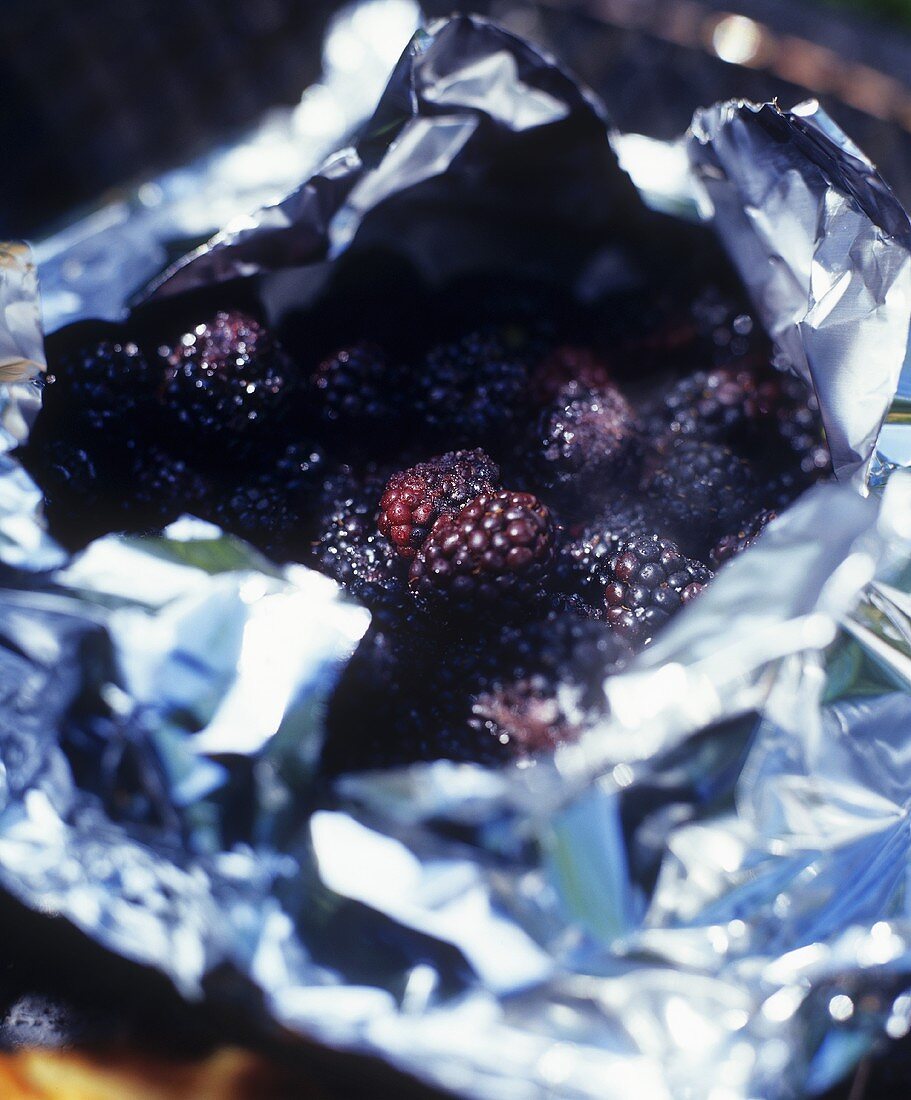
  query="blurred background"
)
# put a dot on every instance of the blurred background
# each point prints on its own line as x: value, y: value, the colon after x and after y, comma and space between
x: 106, y: 94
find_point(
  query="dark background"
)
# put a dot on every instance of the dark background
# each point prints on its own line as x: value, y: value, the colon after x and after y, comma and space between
x: 106, y: 93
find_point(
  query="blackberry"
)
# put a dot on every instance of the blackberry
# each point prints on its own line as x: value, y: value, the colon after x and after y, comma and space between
x: 259, y: 511
x: 497, y: 549
x: 228, y: 380
x: 742, y: 538
x: 550, y: 684
x: 587, y: 442
x: 474, y: 390
x: 162, y: 487
x: 759, y: 410
x: 583, y: 556
x: 704, y: 489
x: 650, y: 579
x: 357, y: 388
x: 105, y: 385
x: 414, y: 499
x: 406, y: 696
x: 568, y: 364
x: 349, y: 548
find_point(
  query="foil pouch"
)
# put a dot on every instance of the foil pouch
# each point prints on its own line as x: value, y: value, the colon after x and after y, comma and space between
x: 705, y: 896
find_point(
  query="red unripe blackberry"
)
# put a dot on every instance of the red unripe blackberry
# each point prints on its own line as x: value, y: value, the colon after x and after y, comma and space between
x: 587, y: 441
x: 650, y: 579
x: 735, y: 542
x: 497, y: 549
x: 228, y: 379
x: 414, y: 499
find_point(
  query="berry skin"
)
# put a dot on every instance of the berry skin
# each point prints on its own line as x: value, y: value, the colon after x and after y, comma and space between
x: 703, y: 489
x: 650, y: 579
x: 473, y: 391
x: 742, y: 539
x: 228, y: 379
x: 497, y: 549
x: 587, y: 443
x: 414, y: 499
x: 105, y: 385
x: 162, y: 487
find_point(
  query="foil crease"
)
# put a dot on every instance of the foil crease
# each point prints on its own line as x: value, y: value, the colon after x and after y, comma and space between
x: 705, y: 895
x: 816, y: 235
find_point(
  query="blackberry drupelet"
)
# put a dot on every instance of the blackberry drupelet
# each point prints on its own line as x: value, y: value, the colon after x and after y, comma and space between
x: 415, y: 498
x: 495, y: 551
x: 228, y: 380
x: 473, y: 391
x: 728, y: 546
x: 650, y: 579
x: 703, y: 489
x: 587, y: 444
x: 162, y: 487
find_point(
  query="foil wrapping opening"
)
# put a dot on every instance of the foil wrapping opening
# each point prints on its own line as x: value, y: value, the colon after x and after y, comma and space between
x: 705, y: 895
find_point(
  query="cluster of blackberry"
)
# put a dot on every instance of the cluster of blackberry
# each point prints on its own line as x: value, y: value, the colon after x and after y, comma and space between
x: 519, y: 512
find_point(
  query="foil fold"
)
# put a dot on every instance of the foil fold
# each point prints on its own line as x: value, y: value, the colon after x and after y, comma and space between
x: 705, y: 895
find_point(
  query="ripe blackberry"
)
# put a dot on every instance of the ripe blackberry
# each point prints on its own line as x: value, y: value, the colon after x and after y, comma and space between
x: 406, y: 696
x: 704, y: 489
x: 587, y: 443
x: 549, y: 684
x: 228, y: 379
x: 474, y: 390
x: 349, y: 548
x: 568, y: 364
x: 162, y: 487
x: 581, y: 568
x: 414, y: 499
x: 651, y: 578
x: 757, y: 409
x: 497, y: 549
x: 358, y: 389
x: 728, y: 546
x: 105, y: 385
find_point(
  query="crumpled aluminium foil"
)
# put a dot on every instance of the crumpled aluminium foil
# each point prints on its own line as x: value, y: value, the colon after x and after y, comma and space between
x: 703, y: 897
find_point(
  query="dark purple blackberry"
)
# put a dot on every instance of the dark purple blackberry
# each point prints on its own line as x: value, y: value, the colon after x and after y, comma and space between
x: 349, y: 548
x: 406, y: 696
x: 415, y: 498
x: 581, y: 569
x: 474, y: 390
x: 260, y: 512
x: 728, y: 546
x: 651, y: 578
x: 162, y: 487
x: 358, y: 389
x: 497, y: 549
x: 549, y: 685
x: 411, y: 693
x: 587, y: 444
x: 756, y: 409
x: 704, y: 489
x: 105, y: 385
x: 228, y: 380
